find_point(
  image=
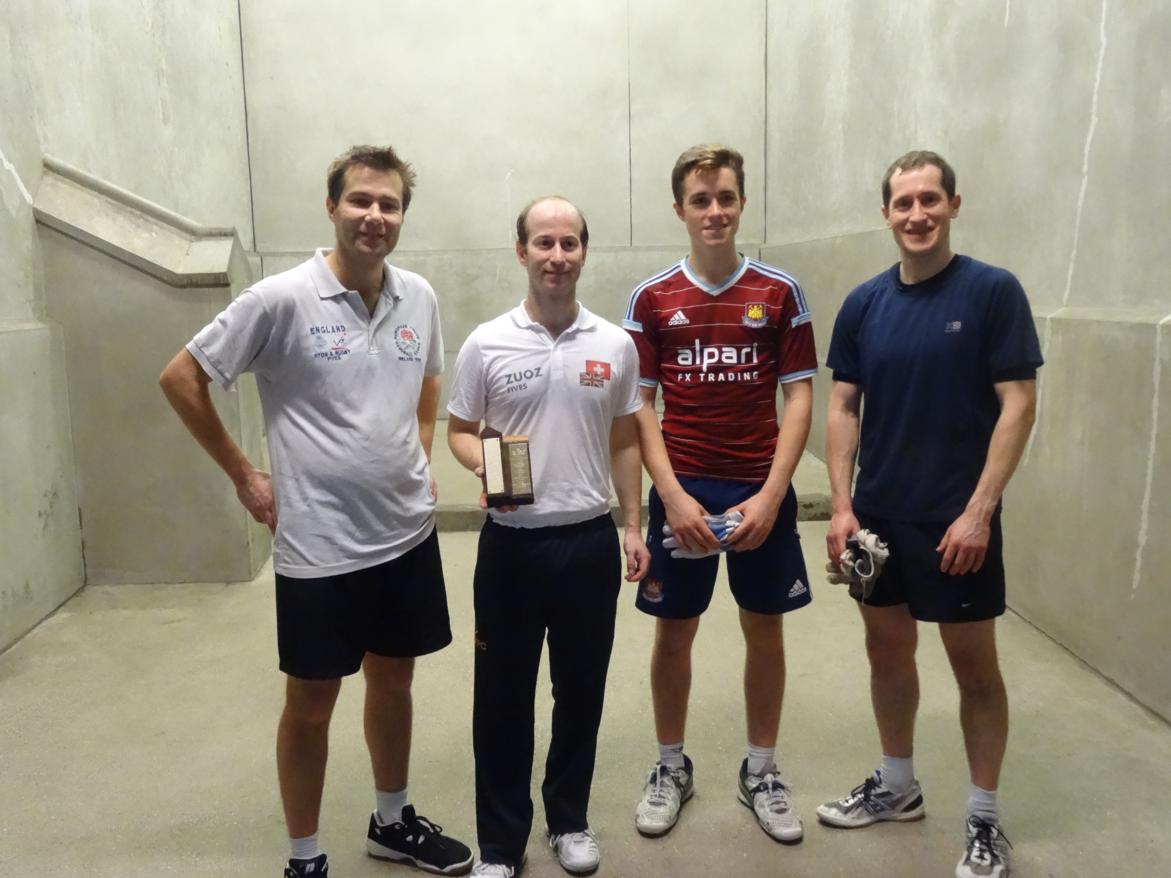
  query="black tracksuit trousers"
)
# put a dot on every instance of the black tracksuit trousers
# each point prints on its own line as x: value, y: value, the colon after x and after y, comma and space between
x: 561, y: 582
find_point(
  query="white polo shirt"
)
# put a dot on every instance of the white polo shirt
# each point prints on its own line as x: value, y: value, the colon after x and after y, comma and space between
x: 339, y: 389
x: 562, y: 393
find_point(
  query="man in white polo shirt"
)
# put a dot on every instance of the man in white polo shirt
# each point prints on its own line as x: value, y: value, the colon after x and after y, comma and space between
x: 347, y: 353
x: 551, y: 370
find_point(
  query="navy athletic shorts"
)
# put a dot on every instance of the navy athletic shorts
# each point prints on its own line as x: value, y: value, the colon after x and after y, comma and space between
x: 325, y: 626
x: 770, y: 579
x: 912, y: 576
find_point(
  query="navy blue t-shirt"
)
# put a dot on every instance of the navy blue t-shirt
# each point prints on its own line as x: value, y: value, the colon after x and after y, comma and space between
x: 925, y: 357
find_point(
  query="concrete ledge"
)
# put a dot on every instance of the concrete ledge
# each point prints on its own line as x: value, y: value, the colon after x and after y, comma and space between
x: 134, y: 231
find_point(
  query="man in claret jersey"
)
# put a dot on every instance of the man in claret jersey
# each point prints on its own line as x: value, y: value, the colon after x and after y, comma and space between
x: 719, y: 331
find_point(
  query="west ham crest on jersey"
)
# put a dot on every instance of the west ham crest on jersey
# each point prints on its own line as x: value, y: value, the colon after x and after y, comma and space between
x: 754, y: 315
x: 596, y: 374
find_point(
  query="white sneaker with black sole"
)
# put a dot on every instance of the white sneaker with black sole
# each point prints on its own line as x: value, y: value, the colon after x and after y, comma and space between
x: 770, y: 800
x: 986, y: 854
x: 871, y: 802
x: 663, y: 796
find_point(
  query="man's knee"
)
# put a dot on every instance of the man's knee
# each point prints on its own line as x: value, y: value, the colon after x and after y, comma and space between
x: 389, y: 674
x: 762, y: 632
x: 673, y: 637
x: 891, y: 637
x: 310, y: 702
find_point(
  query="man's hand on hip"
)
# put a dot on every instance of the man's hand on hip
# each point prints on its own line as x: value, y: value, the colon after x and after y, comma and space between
x: 255, y: 493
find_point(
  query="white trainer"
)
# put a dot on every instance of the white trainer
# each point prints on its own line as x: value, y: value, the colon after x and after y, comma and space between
x: 663, y: 795
x: 492, y: 870
x: 577, y: 852
x: 770, y: 800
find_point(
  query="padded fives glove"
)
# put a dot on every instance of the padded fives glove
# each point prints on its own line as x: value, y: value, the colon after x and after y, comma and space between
x: 860, y: 565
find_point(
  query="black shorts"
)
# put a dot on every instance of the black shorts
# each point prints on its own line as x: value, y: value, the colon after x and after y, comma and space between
x: 770, y: 579
x: 398, y: 609
x: 912, y: 576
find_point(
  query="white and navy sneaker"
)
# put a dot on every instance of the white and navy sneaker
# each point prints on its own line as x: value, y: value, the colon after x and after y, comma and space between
x: 770, y: 800
x: 577, y: 852
x: 663, y: 796
x: 318, y: 867
x: 986, y: 855
x: 419, y: 842
x: 871, y: 802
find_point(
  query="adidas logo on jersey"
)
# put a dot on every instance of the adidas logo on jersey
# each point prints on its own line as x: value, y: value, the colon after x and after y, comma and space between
x: 798, y: 589
x: 678, y: 319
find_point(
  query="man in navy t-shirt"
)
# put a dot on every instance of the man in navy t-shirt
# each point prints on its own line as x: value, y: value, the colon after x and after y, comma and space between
x: 944, y: 351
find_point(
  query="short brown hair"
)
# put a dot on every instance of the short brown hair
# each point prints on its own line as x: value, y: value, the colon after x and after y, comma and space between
x: 522, y: 221
x: 380, y: 158
x: 706, y: 157
x: 920, y: 158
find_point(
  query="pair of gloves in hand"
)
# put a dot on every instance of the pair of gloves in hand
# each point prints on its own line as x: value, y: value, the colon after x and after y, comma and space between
x: 722, y: 527
x: 861, y: 563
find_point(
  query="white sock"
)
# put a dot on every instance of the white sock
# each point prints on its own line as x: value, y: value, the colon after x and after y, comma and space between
x: 671, y: 755
x: 896, y: 773
x: 304, y: 848
x: 982, y: 803
x: 390, y: 806
x: 760, y: 760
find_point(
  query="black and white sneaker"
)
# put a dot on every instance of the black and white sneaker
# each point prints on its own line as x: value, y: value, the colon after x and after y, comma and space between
x: 418, y: 842
x: 986, y: 855
x: 318, y: 867
x: 872, y: 802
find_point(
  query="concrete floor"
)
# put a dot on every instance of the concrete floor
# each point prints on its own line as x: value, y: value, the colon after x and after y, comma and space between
x: 137, y: 725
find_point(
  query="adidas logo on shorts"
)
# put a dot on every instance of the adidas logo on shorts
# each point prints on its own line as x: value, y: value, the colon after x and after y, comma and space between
x: 798, y: 589
x: 678, y: 319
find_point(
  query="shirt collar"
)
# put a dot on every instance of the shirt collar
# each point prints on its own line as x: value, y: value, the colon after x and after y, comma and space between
x: 585, y: 319
x: 329, y: 286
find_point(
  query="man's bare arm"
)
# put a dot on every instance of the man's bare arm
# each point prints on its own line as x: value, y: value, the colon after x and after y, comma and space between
x: 425, y: 413
x: 684, y: 514
x: 966, y: 542
x: 185, y: 385
x: 626, y: 472
x: 428, y: 410
x: 760, y: 510
x: 842, y: 423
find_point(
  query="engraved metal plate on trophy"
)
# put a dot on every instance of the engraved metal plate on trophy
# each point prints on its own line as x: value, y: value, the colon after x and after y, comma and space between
x: 508, y: 472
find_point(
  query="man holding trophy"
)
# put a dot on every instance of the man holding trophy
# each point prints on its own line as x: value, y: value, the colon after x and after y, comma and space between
x: 556, y: 388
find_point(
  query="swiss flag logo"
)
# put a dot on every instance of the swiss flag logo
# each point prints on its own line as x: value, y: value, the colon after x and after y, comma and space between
x: 598, y: 369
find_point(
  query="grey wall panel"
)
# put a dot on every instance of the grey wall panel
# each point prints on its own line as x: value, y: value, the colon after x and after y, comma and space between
x: 1122, y: 255
x: 155, y: 507
x: 493, y: 103
x: 145, y: 94
x: 40, y: 552
x: 694, y: 79
x: 996, y: 95
x: 1075, y: 511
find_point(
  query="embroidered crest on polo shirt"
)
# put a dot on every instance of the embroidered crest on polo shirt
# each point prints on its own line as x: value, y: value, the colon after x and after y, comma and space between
x: 754, y: 315
x: 406, y: 339
x: 596, y: 374
x: 330, y: 341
